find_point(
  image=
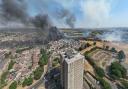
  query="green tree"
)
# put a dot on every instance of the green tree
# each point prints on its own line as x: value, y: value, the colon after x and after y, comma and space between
x: 113, y: 50
x: 94, y: 43
x: 24, y: 82
x: 117, y: 71
x: 44, y: 58
x: 10, y: 66
x: 27, y: 81
x: 121, y: 56
x: 38, y: 73
x: 13, y: 85
x: 100, y: 72
x: 105, y: 85
x: 3, y: 78
x: 55, y: 62
x: 41, y: 62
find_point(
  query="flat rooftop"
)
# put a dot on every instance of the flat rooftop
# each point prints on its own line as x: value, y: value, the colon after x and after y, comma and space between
x: 71, y: 55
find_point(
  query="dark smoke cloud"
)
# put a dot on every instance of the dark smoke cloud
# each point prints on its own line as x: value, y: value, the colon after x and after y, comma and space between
x: 43, y: 24
x: 14, y: 10
x: 60, y: 13
x: 67, y: 16
x: 41, y: 21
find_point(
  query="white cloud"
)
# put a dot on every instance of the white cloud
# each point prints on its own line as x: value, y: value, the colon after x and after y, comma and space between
x: 96, y: 12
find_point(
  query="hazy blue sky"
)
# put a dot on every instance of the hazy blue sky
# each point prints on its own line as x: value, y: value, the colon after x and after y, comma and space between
x: 88, y: 13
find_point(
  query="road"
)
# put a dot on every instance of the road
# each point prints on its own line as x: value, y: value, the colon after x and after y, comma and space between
x: 40, y: 81
x: 46, y: 69
x: 85, y: 85
x: 92, y: 82
x: 52, y: 57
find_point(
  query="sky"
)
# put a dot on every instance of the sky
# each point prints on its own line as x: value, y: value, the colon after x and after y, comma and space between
x: 87, y: 13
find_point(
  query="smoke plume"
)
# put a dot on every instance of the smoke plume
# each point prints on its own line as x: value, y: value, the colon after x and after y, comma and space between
x: 67, y: 17
x: 14, y: 10
x: 43, y: 24
x: 41, y: 21
x: 113, y: 35
x: 17, y: 11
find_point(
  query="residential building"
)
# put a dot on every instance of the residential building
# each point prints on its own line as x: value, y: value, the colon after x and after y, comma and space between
x: 72, y: 70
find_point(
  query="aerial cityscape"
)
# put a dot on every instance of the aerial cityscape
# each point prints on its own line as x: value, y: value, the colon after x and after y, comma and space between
x: 63, y: 44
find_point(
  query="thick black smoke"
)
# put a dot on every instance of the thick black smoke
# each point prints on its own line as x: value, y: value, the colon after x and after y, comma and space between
x: 41, y: 21
x: 48, y: 33
x: 43, y: 24
x: 14, y: 10
x: 60, y: 13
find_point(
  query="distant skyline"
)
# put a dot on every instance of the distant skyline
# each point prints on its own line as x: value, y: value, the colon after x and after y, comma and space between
x: 87, y: 13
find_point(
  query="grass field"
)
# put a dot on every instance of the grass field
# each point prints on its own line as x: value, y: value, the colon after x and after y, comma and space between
x: 102, y: 58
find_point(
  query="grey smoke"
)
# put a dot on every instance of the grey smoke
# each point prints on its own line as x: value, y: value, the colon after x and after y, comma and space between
x: 71, y: 21
x: 67, y: 17
x: 61, y: 13
x: 113, y: 35
x: 14, y: 10
x: 43, y: 24
x: 41, y: 21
